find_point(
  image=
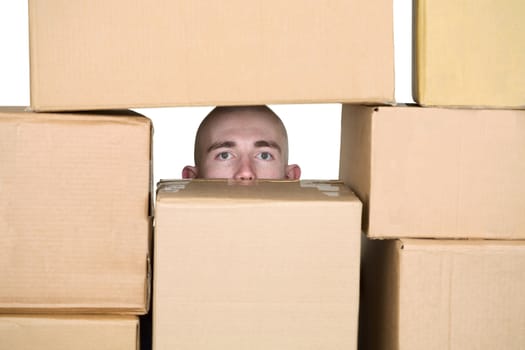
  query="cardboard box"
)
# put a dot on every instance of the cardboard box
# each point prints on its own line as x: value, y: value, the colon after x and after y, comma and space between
x: 121, y: 54
x: 436, y: 173
x: 442, y: 294
x: 19, y: 332
x: 271, y: 265
x: 74, y: 212
x: 469, y: 53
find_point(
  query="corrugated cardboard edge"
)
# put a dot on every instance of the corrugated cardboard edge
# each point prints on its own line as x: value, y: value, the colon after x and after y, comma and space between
x: 166, y: 186
x: 149, y: 257
x: 356, y: 154
x: 151, y: 242
x: 29, y: 113
x: 137, y: 337
x: 418, y: 50
x: 437, y: 104
x: 38, y: 107
x: 81, y: 317
x: 74, y: 309
x: 149, y: 271
x: 33, y: 54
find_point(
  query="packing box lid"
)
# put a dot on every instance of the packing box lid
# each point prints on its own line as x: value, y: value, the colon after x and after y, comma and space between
x: 443, y: 294
x: 119, y: 54
x: 274, y: 264
x: 435, y: 172
x: 74, y: 211
x: 19, y: 332
x: 218, y: 191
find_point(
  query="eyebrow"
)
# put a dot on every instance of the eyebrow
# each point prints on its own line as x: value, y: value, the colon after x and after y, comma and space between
x: 221, y: 144
x: 271, y: 144
x: 231, y: 144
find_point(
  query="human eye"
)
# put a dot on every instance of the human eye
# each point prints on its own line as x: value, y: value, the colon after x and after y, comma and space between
x: 224, y: 156
x: 264, y: 156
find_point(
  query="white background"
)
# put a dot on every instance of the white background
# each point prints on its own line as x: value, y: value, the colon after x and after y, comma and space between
x: 313, y: 130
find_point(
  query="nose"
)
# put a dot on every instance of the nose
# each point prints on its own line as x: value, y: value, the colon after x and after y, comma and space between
x: 245, y: 171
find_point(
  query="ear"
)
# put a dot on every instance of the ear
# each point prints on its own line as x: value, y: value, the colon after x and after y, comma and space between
x: 293, y: 172
x: 189, y: 172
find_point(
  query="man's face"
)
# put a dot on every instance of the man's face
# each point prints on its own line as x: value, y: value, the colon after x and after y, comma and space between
x: 243, y: 147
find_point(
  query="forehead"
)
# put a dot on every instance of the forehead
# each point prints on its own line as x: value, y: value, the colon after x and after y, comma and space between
x: 245, y: 124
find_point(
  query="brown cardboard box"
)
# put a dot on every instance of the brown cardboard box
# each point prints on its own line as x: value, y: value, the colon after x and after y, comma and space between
x: 74, y: 212
x: 19, y: 332
x: 469, y: 53
x: 272, y: 265
x: 443, y: 294
x: 436, y: 173
x: 121, y: 54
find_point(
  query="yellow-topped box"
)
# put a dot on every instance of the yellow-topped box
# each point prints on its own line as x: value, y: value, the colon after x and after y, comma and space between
x: 470, y: 53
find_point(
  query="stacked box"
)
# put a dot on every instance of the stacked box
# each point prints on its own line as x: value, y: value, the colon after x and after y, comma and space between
x: 20, y: 332
x: 263, y: 265
x: 444, y: 195
x: 443, y: 294
x: 436, y: 173
x: 75, y: 225
x: 469, y: 53
x: 119, y: 54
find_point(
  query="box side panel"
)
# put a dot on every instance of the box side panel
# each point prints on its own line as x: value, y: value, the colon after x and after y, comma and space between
x: 462, y: 296
x: 431, y: 173
x: 266, y: 276
x: 423, y: 301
